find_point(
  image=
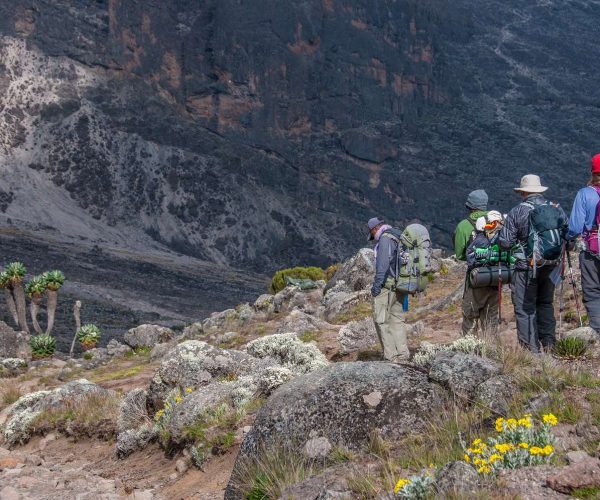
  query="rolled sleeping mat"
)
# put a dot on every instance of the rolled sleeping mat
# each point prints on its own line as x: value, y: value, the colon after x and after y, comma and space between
x: 481, y: 277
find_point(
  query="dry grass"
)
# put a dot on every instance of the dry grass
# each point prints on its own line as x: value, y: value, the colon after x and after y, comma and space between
x: 93, y: 415
x: 355, y: 313
x: 9, y: 393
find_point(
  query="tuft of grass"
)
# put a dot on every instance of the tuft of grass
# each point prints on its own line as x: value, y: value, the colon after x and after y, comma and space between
x: 265, y: 477
x: 565, y: 410
x: 9, y: 393
x: 309, y: 336
x: 88, y: 355
x: 364, y: 486
x: 570, y: 348
x: 592, y: 492
x: 378, y: 446
x: 355, y: 313
x: 339, y: 454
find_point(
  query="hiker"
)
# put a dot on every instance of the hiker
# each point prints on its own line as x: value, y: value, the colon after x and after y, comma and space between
x: 388, y: 313
x: 584, y: 221
x: 536, y: 227
x: 479, y: 305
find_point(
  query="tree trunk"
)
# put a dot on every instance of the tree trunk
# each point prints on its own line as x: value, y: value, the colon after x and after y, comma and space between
x: 77, y: 314
x: 52, y: 301
x: 34, y: 310
x: 10, y: 303
x: 19, y: 294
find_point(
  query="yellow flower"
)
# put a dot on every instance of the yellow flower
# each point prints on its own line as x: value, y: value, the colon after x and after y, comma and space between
x: 188, y: 389
x: 505, y: 447
x: 499, y: 424
x: 548, y: 449
x: 159, y: 414
x: 511, y: 423
x: 536, y: 450
x: 525, y: 446
x: 467, y: 458
x: 476, y: 442
x: 178, y: 399
x: 525, y: 422
x: 484, y: 469
x: 478, y: 461
x: 495, y: 457
x: 401, y: 484
x: 550, y: 419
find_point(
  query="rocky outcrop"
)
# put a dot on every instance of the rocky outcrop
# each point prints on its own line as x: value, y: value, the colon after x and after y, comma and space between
x: 24, y: 412
x: 148, y: 336
x: 13, y: 344
x: 344, y: 403
x: 457, y: 479
x: 301, y: 322
x: 462, y: 373
x: 356, y: 273
x: 12, y: 367
x: 357, y: 336
x: 583, y: 474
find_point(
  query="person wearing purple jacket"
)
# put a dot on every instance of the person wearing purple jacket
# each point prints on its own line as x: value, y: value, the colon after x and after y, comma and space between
x: 388, y: 313
x: 583, y: 222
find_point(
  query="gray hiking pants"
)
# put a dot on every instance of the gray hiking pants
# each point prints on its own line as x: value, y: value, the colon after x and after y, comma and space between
x: 388, y: 316
x: 533, y: 299
x: 590, y: 283
x: 480, y: 310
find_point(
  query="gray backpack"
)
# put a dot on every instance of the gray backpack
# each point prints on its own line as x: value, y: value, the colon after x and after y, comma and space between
x: 413, y: 259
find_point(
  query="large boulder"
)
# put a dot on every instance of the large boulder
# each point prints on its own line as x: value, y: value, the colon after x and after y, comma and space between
x: 456, y: 480
x: 357, y: 336
x: 339, y: 303
x: 496, y: 393
x: 583, y: 474
x: 13, y: 344
x: 301, y: 322
x: 356, y: 273
x: 462, y: 373
x: 194, y: 364
x: 12, y: 367
x: 345, y: 403
x: 24, y: 411
x: 148, y: 336
x: 230, y: 319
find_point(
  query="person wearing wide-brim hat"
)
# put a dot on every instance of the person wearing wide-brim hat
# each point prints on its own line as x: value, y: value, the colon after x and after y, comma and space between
x: 532, y: 287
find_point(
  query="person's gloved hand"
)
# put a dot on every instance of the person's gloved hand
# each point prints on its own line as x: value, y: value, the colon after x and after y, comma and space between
x: 571, y: 245
x: 375, y: 291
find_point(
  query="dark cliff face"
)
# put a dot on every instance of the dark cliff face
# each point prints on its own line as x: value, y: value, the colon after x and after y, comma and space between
x: 265, y: 133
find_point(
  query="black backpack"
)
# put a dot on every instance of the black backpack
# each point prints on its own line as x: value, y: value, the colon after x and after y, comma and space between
x: 547, y: 228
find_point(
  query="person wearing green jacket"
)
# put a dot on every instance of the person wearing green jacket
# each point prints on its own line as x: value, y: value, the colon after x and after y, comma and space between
x: 479, y: 305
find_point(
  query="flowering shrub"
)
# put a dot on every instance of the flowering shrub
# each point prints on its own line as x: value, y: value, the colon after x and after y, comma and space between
x: 469, y: 344
x: 518, y: 443
x: 415, y: 487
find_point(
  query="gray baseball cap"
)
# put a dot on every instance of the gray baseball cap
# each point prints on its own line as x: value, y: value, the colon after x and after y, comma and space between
x: 373, y: 223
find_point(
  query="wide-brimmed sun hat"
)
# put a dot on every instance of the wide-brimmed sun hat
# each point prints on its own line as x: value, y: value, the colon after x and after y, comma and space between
x: 531, y: 183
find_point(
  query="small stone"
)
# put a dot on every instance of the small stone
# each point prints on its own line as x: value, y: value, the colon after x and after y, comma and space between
x: 181, y: 466
x: 9, y: 493
x: 584, y: 333
x: 317, y: 448
x: 173, y: 477
x: 574, y: 457
x: 457, y: 478
x: 247, y: 429
x: 34, y: 460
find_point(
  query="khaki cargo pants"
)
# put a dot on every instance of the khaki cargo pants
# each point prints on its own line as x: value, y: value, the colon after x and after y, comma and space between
x: 480, y: 310
x: 388, y: 316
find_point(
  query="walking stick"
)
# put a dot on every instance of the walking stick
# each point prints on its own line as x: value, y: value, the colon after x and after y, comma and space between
x: 499, y: 293
x: 572, y: 279
x: 561, y: 303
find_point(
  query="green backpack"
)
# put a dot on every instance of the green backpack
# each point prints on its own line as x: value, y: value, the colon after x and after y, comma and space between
x: 413, y: 259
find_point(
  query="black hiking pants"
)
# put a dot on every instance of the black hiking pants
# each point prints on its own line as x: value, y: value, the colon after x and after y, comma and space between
x: 533, y: 300
x: 590, y: 283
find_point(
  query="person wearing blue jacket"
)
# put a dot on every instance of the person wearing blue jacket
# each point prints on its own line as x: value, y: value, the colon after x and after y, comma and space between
x: 583, y: 223
x: 388, y: 312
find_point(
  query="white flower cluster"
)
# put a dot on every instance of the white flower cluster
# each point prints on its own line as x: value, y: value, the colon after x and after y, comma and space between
x: 272, y: 377
x: 469, y: 344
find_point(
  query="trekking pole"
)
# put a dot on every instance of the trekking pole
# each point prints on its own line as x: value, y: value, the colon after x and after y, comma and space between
x: 561, y: 302
x: 499, y: 293
x: 572, y: 279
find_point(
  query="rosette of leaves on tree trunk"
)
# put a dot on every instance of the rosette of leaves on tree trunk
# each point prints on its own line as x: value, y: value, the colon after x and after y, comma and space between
x: 16, y: 272
x: 8, y: 296
x: 54, y: 280
x: 35, y: 289
x: 42, y: 346
x: 89, y: 336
